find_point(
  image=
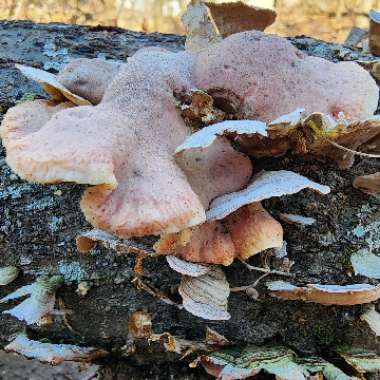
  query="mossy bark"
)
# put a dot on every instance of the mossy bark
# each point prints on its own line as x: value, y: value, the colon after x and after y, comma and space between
x: 38, y: 225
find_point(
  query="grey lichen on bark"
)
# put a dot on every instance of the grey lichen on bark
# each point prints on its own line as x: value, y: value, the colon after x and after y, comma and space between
x: 38, y: 225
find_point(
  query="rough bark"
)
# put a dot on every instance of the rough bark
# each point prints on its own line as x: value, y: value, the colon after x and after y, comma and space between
x: 38, y: 225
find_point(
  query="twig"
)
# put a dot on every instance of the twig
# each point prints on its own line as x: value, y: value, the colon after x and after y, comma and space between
x: 245, y: 287
x: 353, y: 151
x: 266, y: 270
x: 154, y: 292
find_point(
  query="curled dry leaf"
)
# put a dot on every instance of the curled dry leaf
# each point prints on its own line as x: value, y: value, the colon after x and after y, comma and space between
x: 244, y: 233
x: 369, y: 184
x: 187, y: 268
x: 362, y: 360
x: 206, y: 136
x: 263, y: 186
x: 200, y: 28
x: 297, y: 219
x: 186, y: 347
x: 206, y: 296
x: 215, y: 339
x: 140, y: 325
x: 354, y: 294
x: 317, y: 134
x: 198, y: 109
x: 372, y: 317
x: 39, y: 304
x: 374, y: 32
x: 366, y: 264
x: 235, y: 17
x: 53, y: 353
x: 87, y: 240
x: 355, y: 36
x: 207, y: 23
x: 236, y: 363
x: 8, y: 274
x: 51, y: 85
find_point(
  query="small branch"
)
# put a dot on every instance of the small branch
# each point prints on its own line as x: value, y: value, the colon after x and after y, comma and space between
x: 266, y: 270
x: 368, y: 155
x: 154, y: 292
x: 246, y: 287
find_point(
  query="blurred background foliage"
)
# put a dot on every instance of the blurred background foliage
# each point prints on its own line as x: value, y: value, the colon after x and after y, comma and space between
x: 330, y: 20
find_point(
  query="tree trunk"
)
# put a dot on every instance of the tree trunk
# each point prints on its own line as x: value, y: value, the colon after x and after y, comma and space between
x: 38, y: 225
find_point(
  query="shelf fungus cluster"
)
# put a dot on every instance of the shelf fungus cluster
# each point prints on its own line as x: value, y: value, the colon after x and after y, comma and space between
x: 121, y: 128
x: 38, y: 307
x: 283, y: 363
x: 54, y: 354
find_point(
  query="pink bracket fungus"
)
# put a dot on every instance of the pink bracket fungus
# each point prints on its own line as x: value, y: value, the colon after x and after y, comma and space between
x: 124, y: 144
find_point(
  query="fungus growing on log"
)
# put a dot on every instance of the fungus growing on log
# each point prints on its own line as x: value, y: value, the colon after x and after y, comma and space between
x: 38, y: 307
x: 125, y: 145
x: 53, y: 353
x: 355, y: 294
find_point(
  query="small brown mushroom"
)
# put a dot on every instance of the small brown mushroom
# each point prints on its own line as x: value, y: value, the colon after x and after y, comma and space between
x: 244, y: 233
x: 209, y: 243
x: 253, y: 230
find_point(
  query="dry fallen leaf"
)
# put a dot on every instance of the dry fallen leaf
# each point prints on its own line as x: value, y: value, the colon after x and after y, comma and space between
x: 140, y: 325
x: 369, y: 184
x: 198, y: 109
x: 51, y: 85
x: 8, y: 275
x: 40, y: 303
x: 206, y: 296
x: 354, y: 294
x: 53, y: 353
x: 263, y: 186
x: 317, y: 134
x: 237, y: 16
x: 200, y: 28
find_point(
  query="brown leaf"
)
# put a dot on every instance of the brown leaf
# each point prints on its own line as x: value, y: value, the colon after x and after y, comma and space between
x: 236, y: 16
